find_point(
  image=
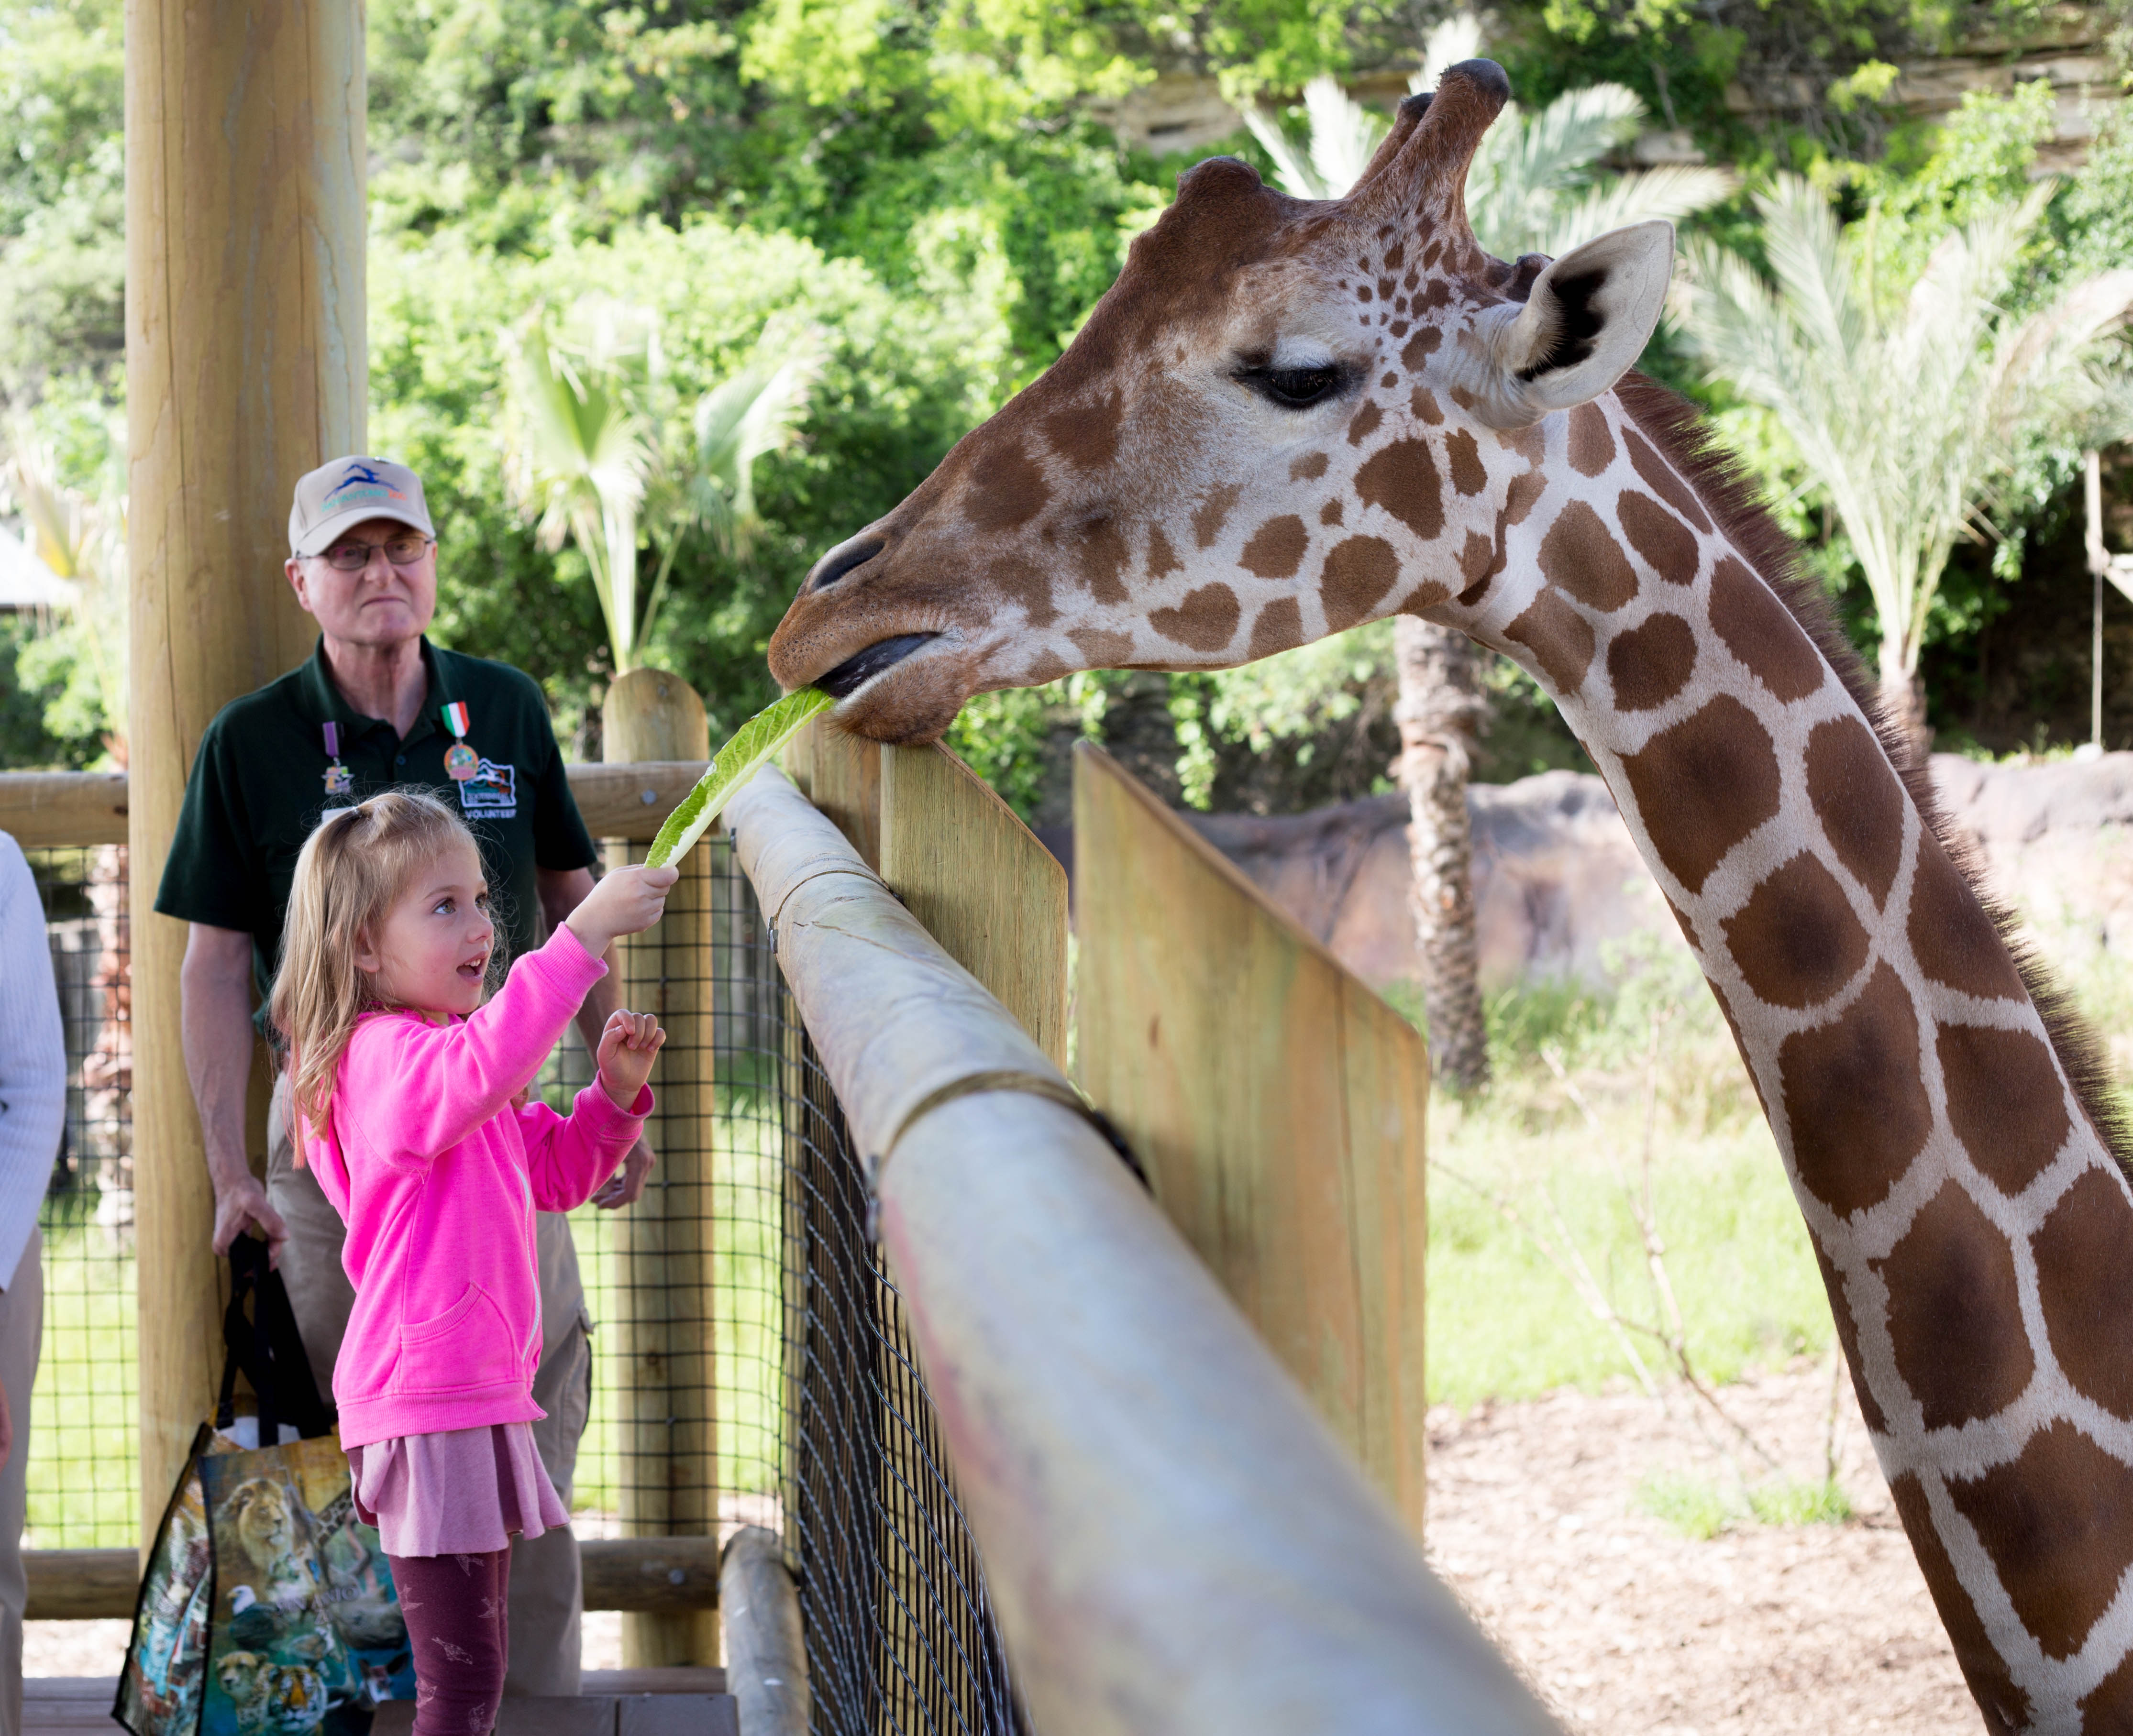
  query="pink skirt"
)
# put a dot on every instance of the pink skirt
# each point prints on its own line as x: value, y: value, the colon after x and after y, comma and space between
x: 466, y: 1492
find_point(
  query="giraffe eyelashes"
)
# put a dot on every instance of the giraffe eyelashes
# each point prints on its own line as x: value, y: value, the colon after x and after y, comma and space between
x: 1292, y: 388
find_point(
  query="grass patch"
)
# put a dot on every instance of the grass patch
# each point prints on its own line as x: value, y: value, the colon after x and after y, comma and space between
x: 1796, y: 1502
x: 1697, y: 1508
x: 1504, y: 1322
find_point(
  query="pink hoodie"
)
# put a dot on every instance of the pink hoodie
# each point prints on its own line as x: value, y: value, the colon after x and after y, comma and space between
x: 437, y: 1178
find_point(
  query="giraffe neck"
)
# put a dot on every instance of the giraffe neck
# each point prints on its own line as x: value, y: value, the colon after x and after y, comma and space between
x: 1974, y: 1233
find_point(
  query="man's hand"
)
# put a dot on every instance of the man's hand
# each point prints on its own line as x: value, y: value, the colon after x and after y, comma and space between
x: 240, y: 1203
x: 626, y: 1186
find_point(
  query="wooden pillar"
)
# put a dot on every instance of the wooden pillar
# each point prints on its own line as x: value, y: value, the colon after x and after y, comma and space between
x: 1277, y: 1104
x: 667, y: 1430
x: 246, y: 366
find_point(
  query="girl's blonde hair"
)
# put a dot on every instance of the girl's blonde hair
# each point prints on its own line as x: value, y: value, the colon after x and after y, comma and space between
x: 354, y: 865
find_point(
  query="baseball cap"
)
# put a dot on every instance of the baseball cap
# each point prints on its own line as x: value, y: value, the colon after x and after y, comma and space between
x: 347, y: 491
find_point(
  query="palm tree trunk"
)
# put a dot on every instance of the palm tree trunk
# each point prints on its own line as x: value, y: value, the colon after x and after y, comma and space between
x: 1904, y: 699
x: 1439, y: 711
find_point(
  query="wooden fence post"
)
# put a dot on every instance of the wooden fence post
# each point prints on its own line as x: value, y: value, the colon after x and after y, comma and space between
x: 245, y: 365
x: 1277, y: 1102
x: 666, y: 1428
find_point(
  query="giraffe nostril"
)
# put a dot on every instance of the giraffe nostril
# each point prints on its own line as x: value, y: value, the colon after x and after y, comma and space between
x: 843, y: 559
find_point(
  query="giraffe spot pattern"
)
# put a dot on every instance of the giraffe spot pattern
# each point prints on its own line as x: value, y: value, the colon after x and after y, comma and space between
x: 1102, y: 648
x: 1309, y: 467
x: 1478, y: 560
x: 1853, y: 1097
x: 1703, y: 785
x: 1847, y: 1335
x: 1420, y: 348
x: 1660, y: 478
x: 2004, y: 1101
x: 1162, y: 558
x: 1955, y: 942
x: 1760, y: 631
x: 1647, y: 665
x: 1046, y: 666
x: 1086, y: 436
x: 1007, y: 494
x: 1276, y: 548
x: 1591, y: 446
x: 1206, y: 620
x: 1279, y: 628
x: 1796, y: 939
x: 1021, y: 580
x: 1100, y: 557
x: 1580, y: 555
x: 2084, y: 1253
x: 1856, y: 796
x: 2057, y: 1523
x: 1463, y: 460
x: 2005, y: 1706
x: 1422, y: 402
x: 1402, y: 478
x: 1364, y: 424
x: 1559, y: 637
x: 1955, y: 1313
x: 1359, y: 575
x: 1213, y: 512
x: 1667, y: 544
x: 2109, y: 1705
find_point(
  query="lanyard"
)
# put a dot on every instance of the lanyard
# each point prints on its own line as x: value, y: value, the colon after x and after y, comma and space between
x: 340, y: 780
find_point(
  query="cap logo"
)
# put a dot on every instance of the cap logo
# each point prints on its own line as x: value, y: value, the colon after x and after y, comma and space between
x: 369, y: 484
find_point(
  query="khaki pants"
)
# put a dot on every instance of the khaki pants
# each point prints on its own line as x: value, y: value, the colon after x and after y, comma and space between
x: 22, y: 1334
x: 547, y: 1585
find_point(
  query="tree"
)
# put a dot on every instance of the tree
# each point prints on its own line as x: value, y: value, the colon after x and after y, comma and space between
x: 597, y: 450
x: 1827, y: 342
x: 1533, y: 188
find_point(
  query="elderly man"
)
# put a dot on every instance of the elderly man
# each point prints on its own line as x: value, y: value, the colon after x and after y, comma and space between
x: 377, y: 706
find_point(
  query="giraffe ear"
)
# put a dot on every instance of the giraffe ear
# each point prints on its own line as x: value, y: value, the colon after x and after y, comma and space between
x: 1584, y: 324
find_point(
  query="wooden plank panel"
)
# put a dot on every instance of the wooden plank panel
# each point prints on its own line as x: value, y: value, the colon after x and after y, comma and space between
x: 847, y: 787
x: 631, y: 800
x: 976, y: 876
x: 1278, y: 1105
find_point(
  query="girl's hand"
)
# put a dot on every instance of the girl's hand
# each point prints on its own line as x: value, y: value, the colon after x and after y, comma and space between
x: 626, y: 1049
x: 625, y: 901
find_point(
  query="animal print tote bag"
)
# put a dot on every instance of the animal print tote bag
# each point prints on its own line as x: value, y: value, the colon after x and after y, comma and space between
x: 268, y: 1609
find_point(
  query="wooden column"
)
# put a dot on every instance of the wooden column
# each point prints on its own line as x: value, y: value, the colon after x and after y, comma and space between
x: 245, y: 367
x: 666, y: 1429
x: 1276, y: 1102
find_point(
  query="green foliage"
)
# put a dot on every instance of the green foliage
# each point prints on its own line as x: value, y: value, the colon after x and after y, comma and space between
x: 1700, y: 1509
x: 1796, y: 1501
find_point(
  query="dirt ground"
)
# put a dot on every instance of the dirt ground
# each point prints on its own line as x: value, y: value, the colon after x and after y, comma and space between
x: 1627, y: 1626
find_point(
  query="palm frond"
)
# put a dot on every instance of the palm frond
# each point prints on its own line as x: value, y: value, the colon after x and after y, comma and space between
x: 1673, y: 192
x: 1451, y: 40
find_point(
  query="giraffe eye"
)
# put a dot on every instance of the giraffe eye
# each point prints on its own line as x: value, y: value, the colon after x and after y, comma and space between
x: 1292, y: 388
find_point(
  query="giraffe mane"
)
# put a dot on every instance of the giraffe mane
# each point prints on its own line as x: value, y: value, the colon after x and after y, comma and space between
x: 1676, y: 427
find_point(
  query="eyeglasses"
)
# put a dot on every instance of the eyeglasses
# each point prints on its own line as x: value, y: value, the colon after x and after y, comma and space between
x: 352, y: 557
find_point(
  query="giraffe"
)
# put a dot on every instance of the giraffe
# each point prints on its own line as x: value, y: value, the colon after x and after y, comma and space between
x: 1287, y: 417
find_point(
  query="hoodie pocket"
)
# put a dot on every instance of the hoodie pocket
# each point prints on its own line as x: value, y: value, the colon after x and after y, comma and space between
x: 465, y: 1348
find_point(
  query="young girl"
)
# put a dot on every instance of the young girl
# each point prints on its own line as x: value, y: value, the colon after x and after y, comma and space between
x: 410, y: 1083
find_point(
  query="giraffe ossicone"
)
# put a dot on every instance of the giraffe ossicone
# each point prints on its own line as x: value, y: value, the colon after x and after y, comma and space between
x: 1289, y: 418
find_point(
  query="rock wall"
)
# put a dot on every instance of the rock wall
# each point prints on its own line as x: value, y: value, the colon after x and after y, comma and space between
x: 1557, y: 879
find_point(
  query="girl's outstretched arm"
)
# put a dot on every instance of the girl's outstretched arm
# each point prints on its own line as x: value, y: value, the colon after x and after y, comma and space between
x: 567, y: 1161
x: 415, y: 1090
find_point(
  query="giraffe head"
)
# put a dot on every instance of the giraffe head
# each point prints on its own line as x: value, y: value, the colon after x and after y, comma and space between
x: 1286, y: 417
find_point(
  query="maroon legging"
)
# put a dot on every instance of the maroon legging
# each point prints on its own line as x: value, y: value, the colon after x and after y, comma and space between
x: 455, y: 1610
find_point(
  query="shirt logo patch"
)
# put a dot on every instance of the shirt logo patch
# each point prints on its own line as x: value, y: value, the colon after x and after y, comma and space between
x: 492, y: 793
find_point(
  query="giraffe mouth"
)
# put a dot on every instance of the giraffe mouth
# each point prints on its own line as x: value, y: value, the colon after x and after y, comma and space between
x: 856, y: 670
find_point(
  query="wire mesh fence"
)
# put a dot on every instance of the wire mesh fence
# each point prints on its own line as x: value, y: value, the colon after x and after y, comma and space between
x: 84, y: 1463
x: 807, y: 1416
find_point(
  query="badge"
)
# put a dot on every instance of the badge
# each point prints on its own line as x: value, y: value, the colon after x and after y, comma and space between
x: 461, y: 761
x: 340, y: 780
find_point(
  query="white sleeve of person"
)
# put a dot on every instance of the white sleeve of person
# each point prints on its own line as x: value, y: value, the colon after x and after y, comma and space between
x: 32, y: 1058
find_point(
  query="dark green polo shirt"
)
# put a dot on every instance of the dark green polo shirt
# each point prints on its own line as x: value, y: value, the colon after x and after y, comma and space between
x: 258, y: 788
